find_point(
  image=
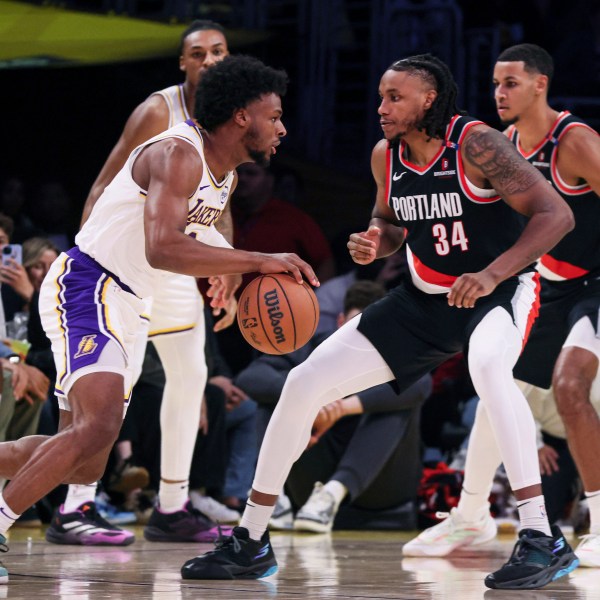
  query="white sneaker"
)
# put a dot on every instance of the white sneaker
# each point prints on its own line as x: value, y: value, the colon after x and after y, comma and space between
x: 318, y: 513
x: 588, y: 550
x: 451, y: 534
x: 283, y: 516
x: 215, y: 511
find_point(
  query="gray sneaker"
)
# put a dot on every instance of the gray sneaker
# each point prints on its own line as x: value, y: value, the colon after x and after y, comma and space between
x: 283, y: 516
x: 318, y: 514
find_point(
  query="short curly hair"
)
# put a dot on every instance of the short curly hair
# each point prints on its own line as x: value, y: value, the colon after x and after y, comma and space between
x: 232, y: 84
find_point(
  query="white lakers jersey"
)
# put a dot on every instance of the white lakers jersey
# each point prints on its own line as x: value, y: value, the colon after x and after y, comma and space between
x: 175, y: 100
x: 114, y: 233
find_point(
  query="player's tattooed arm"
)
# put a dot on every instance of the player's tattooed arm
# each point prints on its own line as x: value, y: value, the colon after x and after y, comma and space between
x: 224, y: 224
x: 498, y: 160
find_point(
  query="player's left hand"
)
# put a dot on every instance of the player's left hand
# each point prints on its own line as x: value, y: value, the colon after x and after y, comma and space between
x: 469, y: 287
x: 228, y: 312
x: 221, y: 288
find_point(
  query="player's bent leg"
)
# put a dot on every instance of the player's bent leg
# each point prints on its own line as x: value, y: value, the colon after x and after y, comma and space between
x: 344, y: 363
x: 537, y: 558
x: 97, y: 403
x: 575, y: 372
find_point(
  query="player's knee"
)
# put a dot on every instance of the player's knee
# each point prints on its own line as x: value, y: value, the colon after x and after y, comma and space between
x: 572, y: 394
x: 483, y: 365
x: 95, y: 437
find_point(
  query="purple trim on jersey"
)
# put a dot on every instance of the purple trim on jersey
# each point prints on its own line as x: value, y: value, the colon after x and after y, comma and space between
x: 84, y: 313
x: 77, y: 254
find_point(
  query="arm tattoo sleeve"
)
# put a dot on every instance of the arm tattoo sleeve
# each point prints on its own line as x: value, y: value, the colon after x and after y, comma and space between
x: 499, y: 161
x: 224, y: 224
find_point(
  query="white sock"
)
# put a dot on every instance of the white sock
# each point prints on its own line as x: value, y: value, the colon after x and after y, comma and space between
x: 256, y: 518
x: 78, y: 495
x: 593, y: 501
x: 172, y: 497
x: 7, y: 516
x: 337, y: 489
x: 532, y: 514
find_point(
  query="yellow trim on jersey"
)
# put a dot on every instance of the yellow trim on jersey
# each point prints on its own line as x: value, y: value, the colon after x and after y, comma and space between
x: 182, y: 105
x: 212, y: 180
x: 106, y: 315
x: 171, y: 330
x: 61, y: 327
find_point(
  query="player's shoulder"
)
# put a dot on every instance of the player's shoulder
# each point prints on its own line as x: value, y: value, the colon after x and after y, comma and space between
x: 577, y: 136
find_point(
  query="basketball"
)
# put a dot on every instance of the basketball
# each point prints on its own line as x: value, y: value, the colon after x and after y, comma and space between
x: 276, y: 314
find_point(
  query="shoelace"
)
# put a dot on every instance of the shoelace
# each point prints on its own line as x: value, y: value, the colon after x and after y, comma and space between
x: 520, y: 550
x: 223, y: 541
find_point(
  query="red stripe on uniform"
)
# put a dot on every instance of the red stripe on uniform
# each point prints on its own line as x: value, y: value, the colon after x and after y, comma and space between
x: 388, y: 175
x: 561, y: 268
x: 430, y: 276
x: 535, y: 310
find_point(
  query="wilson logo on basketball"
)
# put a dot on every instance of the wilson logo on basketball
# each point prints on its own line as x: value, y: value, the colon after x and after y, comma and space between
x: 271, y: 299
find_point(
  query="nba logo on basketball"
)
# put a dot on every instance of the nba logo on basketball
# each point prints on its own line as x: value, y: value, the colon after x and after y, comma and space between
x: 249, y: 323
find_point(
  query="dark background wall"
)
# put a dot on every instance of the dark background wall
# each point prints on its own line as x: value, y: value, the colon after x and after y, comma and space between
x: 59, y: 123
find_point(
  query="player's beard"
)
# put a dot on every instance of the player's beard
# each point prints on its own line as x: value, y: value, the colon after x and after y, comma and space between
x: 261, y: 158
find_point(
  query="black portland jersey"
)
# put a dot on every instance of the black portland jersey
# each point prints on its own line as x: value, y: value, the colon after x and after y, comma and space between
x: 452, y: 226
x: 578, y: 253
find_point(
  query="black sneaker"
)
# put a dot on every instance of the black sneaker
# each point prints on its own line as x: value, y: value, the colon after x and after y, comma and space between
x: 186, y: 525
x: 235, y: 557
x: 537, y: 559
x: 85, y: 527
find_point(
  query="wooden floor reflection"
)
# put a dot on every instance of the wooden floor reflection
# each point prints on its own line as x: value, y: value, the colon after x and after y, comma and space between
x: 356, y: 565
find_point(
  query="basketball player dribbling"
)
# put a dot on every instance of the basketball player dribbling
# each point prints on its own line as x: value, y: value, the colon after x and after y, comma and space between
x: 159, y: 214
x: 174, y: 321
x: 456, y: 190
x: 564, y: 348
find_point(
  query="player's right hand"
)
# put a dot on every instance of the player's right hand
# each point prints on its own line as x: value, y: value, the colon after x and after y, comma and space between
x: 290, y: 263
x: 363, y: 246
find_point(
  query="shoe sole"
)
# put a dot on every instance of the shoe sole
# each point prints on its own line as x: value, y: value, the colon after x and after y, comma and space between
x: 567, y: 564
x: 424, y: 551
x: 590, y: 564
x: 311, y: 526
x: 63, y: 541
x: 3, y: 579
x: 235, y: 572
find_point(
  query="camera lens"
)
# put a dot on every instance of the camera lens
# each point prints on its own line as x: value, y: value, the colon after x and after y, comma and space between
x: 6, y: 250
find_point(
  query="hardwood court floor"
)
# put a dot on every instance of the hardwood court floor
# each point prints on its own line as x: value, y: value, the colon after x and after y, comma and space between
x: 354, y: 565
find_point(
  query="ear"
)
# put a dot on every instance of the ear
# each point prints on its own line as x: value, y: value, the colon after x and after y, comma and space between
x: 430, y: 97
x: 341, y: 319
x: 181, y: 65
x: 241, y: 117
x: 541, y: 84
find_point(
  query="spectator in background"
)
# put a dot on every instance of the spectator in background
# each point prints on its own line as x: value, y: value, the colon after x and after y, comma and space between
x: 13, y: 201
x: 264, y: 223
x: 54, y: 214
